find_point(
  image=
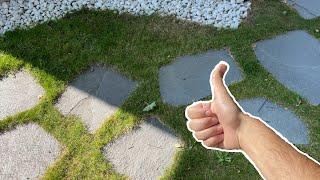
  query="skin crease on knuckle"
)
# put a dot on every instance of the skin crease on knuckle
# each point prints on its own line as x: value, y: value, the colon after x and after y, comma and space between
x: 199, y: 110
x: 213, y: 141
x: 210, y: 132
x: 201, y: 124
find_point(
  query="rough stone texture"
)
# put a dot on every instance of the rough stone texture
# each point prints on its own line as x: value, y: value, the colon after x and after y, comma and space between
x: 18, y: 93
x: 95, y: 96
x: 284, y: 121
x: 294, y: 60
x: 180, y: 81
x: 308, y: 9
x: 143, y: 153
x: 26, y: 152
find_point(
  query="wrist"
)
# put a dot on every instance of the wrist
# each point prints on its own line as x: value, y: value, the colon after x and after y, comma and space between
x: 244, y: 123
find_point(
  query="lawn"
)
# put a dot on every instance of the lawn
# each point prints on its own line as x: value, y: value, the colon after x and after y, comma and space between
x: 56, y: 52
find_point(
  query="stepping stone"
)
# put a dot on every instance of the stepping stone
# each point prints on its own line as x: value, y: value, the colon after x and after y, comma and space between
x: 294, y: 60
x: 145, y: 152
x: 282, y: 120
x: 187, y: 79
x: 308, y: 9
x: 95, y: 96
x: 18, y: 93
x: 26, y: 152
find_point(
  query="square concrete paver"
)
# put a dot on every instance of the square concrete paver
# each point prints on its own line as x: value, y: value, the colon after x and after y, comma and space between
x: 145, y: 152
x: 282, y: 120
x: 187, y: 79
x: 18, y: 93
x: 294, y: 60
x: 26, y: 152
x: 308, y: 9
x: 95, y: 96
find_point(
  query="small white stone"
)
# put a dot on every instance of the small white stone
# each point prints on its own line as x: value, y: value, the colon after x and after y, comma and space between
x: 222, y: 13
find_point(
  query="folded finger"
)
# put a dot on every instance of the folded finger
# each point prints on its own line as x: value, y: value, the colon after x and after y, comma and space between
x: 208, y: 133
x: 197, y: 111
x: 201, y: 124
x: 214, y: 141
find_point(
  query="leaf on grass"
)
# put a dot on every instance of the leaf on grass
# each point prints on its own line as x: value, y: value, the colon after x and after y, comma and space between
x: 150, y: 107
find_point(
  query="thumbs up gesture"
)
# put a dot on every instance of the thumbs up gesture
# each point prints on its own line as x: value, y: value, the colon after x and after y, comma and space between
x: 215, y: 123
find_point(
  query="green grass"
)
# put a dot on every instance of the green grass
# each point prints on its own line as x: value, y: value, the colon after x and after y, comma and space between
x: 56, y: 52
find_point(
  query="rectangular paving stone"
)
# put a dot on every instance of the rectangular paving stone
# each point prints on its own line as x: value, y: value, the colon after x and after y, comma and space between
x: 294, y: 60
x: 26, y: 152
x: 282, y: 120
x: 187, y: 79
x: 145, y: 152
x: 18, y: 93
x: 308, y: 9
x: 95, y: 96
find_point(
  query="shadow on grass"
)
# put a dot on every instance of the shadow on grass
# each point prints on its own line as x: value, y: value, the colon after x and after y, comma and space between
x: 57, y: 52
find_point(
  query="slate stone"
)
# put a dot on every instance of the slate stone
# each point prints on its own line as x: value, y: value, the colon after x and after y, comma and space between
x: 187, y: 79
x: 294, y: 60
x: 18, y: 93
x: 95, y: 96
x: 145, y: 152
x: 26, y: 152
x: 308, y: 9
x: 282, y: 120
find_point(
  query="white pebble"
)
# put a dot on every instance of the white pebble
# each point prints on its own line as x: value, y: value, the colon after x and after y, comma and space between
x: 218, y: 13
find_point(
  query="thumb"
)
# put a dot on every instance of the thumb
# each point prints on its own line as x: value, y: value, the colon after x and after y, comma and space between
x: 218, y: 89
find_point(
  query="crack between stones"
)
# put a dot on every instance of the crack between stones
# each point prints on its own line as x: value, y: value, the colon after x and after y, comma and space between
x: 90, y: 92
x: 302, y: 7
x: 78, y: 103
x: 265, y: 101
x: 104, y: 75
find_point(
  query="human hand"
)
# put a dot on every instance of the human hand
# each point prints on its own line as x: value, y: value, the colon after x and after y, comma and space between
x: 215, y: 123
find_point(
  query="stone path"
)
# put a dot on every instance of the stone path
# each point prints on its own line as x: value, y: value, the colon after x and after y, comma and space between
x: 284, y: 121
x: 308, y: 9
x: 95, y: 96
x: 26, y: 152
x: 180, y: 81
x: 294, y: 60
x: 19, y: 92
x: 143, y: 153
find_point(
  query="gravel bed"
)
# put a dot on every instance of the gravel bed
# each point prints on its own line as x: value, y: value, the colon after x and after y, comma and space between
x: 218, y: 13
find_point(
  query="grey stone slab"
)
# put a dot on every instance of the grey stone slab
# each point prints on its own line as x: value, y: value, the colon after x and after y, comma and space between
x: 282, y: 120
x: 26, y: 152
x: 294, y: 60
x: 95, y: 96
x: 18, y: 93
x: 308, y: 9
x: 145, y: 152
x: 187, y: 79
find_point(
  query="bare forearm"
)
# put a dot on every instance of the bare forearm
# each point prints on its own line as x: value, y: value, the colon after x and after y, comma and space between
x: 275, y: 158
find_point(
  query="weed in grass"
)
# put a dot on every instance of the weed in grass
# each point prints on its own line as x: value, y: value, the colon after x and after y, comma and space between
x: 223, y: 157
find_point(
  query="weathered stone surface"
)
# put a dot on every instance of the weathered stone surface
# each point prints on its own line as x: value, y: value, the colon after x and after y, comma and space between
x: 187, y: 79
x: 294, y: 60
x: 26, y: 152
x: 143, y: 153
x: 308, y: 9
x: 284, y: 121
x: 95, y: 96
x: 18, y: 93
